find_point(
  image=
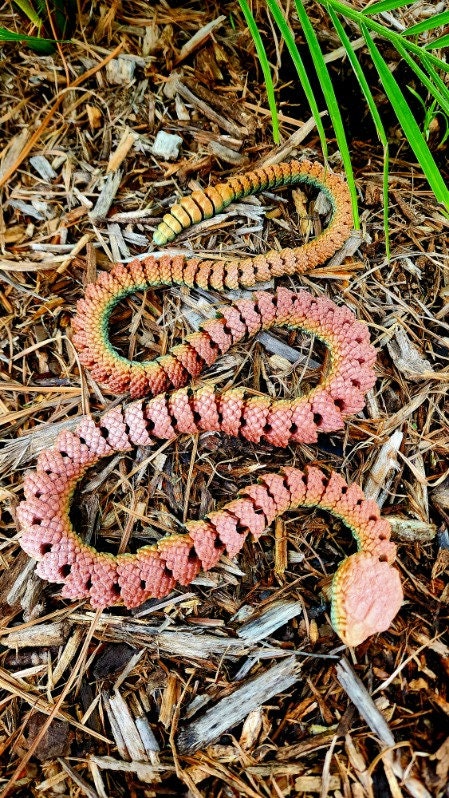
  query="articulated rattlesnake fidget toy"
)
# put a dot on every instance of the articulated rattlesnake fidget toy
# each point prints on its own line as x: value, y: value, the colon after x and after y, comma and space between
x: 366, y: 589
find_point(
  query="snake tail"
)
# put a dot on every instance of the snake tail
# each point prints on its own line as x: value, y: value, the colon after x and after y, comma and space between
x: 200, y: 205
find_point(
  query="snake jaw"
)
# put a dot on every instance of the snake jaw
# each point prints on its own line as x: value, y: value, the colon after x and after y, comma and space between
x: 366, y: 596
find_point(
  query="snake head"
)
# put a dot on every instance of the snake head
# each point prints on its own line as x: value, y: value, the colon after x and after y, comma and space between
x: 366, y: 595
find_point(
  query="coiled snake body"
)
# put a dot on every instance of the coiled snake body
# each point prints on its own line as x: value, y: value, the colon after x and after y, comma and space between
x: 366, y: 590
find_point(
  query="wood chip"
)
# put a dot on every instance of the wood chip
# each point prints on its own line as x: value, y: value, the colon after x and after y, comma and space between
x: 412, y: 530
x: 144, y: 772
x: 383, y: 469
x: 268, y: 620
x: 125, y: 144
x: 127, y: 727
x: 314, y: 784
x: 120, y: 71
x: 406, y: 357
x: 41, y: 635
x: 106, y: 197
x: 166, y: 146
x: 13, y: 150
x: 199, y: 38
x: 232, y: 709
x: 226, y: 154
x: 359, y: 696
x: 221, y: 121
x: 43, y: 168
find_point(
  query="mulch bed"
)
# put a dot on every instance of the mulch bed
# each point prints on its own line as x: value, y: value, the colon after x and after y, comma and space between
x: 236, y: 685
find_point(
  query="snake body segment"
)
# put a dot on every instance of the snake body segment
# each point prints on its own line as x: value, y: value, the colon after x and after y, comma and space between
x: 366, y: 591
x: 130, y: 579
x: 349, y: 373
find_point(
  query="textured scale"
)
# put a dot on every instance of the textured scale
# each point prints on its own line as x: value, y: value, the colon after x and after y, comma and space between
x: 366, y: 592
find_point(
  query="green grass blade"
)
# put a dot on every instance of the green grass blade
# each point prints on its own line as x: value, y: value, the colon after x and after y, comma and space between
x: 363, y: 83
x: 386, y: 5
x: 289, y: 39
x: 42, y: 6
x: 41, y: 46
x: 408, y: 123
x: 385, y: 32
x: 28, y: 9
x: 331, y: 102
x: 438, y: 44
x: 360, y: 75
x: 436, y: 79
x: 428, y: 24
x: 261, y: 53
x: 437, y: 88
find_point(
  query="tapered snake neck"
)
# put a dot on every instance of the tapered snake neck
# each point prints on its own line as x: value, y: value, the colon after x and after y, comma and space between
x: 366, y: 590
